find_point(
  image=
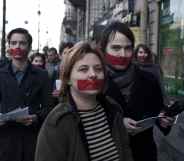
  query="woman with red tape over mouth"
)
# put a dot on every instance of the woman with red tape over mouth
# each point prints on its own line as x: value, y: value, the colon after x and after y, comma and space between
x: 86, y: 125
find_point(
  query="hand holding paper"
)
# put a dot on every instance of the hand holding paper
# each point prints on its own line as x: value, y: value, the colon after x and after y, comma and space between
x: 145, y: 124
x: 19, y: 115
x: 166, y: 121
x: 27, y: 120
x: 130, y: 125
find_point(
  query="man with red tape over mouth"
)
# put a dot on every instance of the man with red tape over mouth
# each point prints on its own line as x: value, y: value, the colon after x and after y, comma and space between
x: 17, y: 53
x: 136, y: 90
x: 21, y: 85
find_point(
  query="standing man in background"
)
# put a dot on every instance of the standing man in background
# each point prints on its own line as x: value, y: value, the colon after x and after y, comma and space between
x: 21, y: 85
x: 52, y: 64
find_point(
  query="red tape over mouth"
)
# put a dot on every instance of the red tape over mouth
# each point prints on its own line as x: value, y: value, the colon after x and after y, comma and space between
x: 114, y: 60
x: 17, y: 52
x: 95, y: 84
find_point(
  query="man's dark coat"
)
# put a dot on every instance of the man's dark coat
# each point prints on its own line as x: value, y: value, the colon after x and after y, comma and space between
x: 17, y: 141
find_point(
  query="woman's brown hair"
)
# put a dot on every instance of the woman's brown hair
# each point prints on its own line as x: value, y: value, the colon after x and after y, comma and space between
x: 77, y: 52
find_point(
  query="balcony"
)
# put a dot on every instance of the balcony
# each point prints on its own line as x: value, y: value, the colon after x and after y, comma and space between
x: 69, y: 19
x: 78, y: 3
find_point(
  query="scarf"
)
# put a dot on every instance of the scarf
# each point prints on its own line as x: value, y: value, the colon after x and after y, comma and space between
x: 124, y: 79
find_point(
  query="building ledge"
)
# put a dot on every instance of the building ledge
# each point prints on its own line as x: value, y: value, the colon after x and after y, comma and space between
x: 78, y: 3
x: 69, y: 21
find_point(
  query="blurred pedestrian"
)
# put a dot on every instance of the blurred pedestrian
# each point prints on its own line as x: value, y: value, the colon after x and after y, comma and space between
x: 52, y: 64
x: 38, y: 60
x: 64, y: 46
x: 45, y: 50
x: 136, y: 90
x: 144, y: 57
x: 62, y: 50
x: 143, y: 54
x: 21, y: 85
x: 87, y: 126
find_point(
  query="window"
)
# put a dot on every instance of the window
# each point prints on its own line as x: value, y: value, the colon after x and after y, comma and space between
x: 172, y: 45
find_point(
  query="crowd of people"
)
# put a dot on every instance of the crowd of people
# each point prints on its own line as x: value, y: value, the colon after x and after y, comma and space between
x: 84, y: 103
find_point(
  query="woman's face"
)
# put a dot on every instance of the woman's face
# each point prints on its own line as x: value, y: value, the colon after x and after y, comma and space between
x: 38, y: 61
x: 141, y: 55
x: 87, y: 75
x: 119, y: 51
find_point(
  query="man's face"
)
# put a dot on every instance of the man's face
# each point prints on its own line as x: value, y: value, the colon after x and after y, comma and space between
x: 18, y: 46
x: 51, y: 56
x: 119, y: 51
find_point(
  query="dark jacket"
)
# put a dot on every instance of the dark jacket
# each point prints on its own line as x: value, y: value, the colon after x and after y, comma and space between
x: 145, y: 100
x: 62, y: 136
x: 18, y: 141
x: 156, y: 70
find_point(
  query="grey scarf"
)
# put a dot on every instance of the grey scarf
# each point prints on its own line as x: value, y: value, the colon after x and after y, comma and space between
x: 123, y: 79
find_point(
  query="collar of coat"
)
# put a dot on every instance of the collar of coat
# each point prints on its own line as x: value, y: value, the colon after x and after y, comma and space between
x: 8, y: 68
x: 64, y: 108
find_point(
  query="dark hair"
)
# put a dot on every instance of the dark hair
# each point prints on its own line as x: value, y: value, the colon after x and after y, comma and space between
x: 52, y: 49
x: 149, y: 58
x: 20, y: 31
x: 45, y: 49
x: 42, y: 56
x: 112, y: 28
x: 64, y: 45
x: 77, y: 52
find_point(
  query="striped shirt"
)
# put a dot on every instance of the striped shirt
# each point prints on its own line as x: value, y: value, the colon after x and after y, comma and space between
x: 100, y: 142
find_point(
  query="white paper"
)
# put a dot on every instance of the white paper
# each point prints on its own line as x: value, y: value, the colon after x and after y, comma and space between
x: 58, y: 84
x: 146, y: 123
x: 15, y: 114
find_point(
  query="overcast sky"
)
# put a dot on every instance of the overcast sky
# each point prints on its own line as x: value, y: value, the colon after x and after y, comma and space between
x: 52, y: 13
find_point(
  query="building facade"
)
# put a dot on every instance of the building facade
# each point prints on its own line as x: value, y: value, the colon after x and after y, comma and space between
x: 171, y: 45
x: 73, y: 25
x: 157, y: 23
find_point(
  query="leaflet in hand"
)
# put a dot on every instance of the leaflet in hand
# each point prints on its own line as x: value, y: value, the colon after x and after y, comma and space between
x: 15, y: 114
x: 146, y: 123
